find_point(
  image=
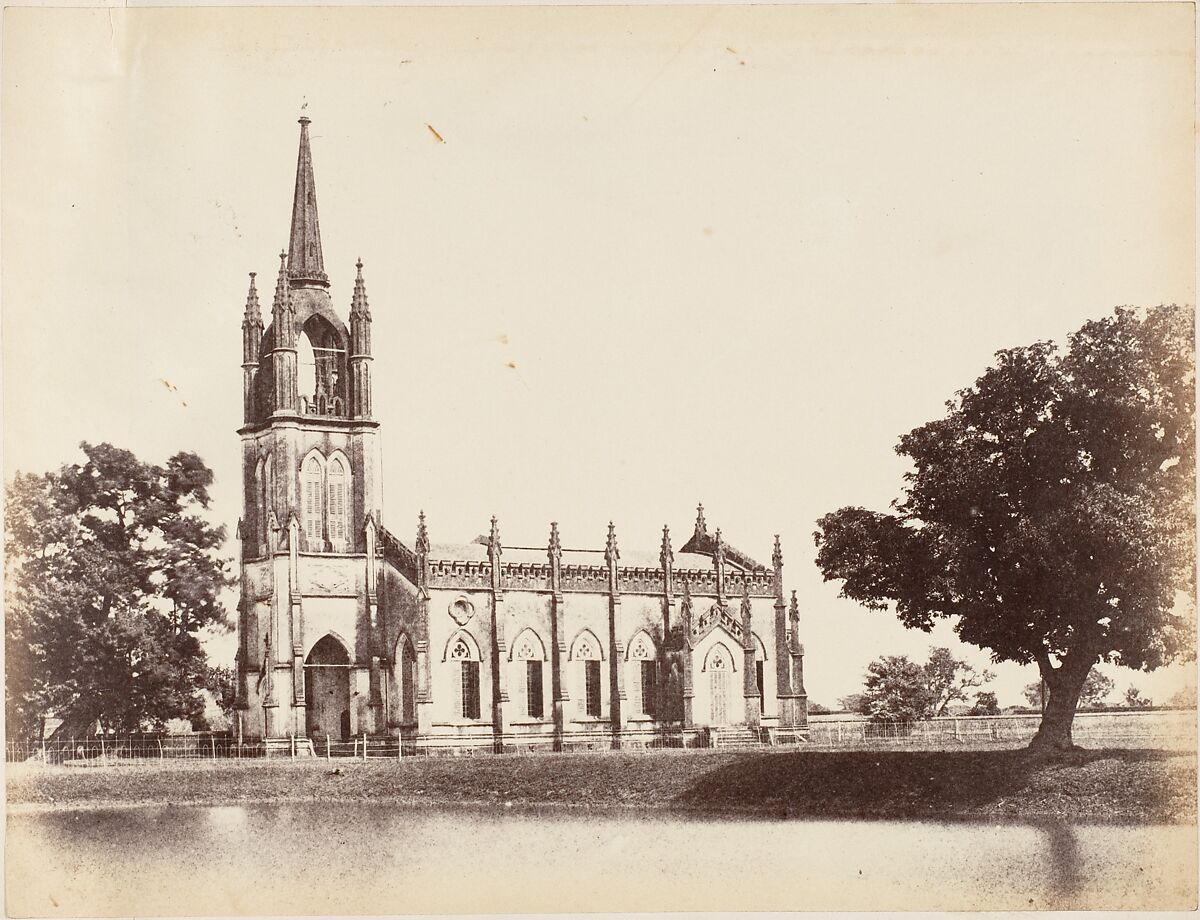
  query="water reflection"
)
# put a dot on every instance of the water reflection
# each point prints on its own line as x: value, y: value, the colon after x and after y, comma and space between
x: 342, y: 858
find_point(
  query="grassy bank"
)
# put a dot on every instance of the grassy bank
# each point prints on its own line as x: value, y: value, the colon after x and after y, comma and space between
x: 1115, y: 784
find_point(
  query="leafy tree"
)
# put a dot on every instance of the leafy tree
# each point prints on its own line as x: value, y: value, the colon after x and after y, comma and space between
x: 1033, y: 693
x: 1135, y: 700
x: 1049, y: 513
x: 1096, y: 689
x: 816, y: 709
x: 900, y: 690
x: 986, y: 704
x: 111, y: 571
x: 855, y: 702
x: 1185, y: 698
x: 897, y: 690
x: 222, y: 684
x: 950, y: 679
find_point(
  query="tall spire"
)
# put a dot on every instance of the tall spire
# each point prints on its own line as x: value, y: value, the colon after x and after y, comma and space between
x: 305, y: 260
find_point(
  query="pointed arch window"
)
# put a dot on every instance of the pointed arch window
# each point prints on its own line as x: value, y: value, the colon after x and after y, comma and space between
x: 313, y: 505
x: 468, y: 695
x: 642, y: 680
x: 337, y: 505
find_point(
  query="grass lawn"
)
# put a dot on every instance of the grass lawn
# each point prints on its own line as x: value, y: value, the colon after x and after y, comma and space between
x: 1128, y: 785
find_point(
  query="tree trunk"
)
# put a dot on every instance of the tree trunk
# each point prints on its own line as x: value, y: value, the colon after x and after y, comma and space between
x: 1058, y: 717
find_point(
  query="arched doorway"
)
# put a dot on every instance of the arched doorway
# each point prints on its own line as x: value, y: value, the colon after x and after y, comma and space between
x: 327, y: 689
x: 719, y: 666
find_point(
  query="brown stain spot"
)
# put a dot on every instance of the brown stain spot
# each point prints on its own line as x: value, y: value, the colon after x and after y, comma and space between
x: 708, y: 231
x: 433, y: 131
x: 730, y: 50
x: 52, y: 901
x: 512, y: 364
x: 167, y: 383
x: 502, y: 338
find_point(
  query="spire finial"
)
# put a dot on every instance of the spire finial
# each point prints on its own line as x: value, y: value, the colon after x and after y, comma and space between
x: 306, y: 263
x: 665, y: 555
x: 701, y: 524
x: 777, y: 555
x: 611, y: 553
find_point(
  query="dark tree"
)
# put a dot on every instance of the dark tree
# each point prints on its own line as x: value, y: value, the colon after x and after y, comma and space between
x: 1095, y: 690
x: 986, y: 704
x: 1135, y: 700
x: 111, y: 571
x: 222, y: 684
x: 897, y: 690
x: 1033, y: 694
x: 1049, y: 514
x: 855, y: 702
x: 949, y: 679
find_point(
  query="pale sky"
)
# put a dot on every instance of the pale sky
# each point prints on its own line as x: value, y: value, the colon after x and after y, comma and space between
x: 661, y: 256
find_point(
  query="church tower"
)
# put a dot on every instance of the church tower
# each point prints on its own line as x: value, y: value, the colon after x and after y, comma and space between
x: 311, y: 497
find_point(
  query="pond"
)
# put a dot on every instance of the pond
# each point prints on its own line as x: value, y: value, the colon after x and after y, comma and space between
x: 360, y: 857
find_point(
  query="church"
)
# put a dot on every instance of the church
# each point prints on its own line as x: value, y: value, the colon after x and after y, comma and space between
x: 347, y: 629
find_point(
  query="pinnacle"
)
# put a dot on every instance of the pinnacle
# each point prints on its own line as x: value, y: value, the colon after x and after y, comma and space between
x: 253, y: 313
x: 281, y: 284
x: 358, y: 303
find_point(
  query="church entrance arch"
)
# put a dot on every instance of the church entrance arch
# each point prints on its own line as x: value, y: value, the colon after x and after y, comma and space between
x: 327, y: 689
x: 719, y: 666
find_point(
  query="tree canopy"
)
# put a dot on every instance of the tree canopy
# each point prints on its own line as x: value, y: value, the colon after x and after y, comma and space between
x: 899, y: 689
x: 1049, y: 513
x: 111, y: 572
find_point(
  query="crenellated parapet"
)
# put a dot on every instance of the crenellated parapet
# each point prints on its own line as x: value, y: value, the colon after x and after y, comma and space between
x: 533, y: 576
